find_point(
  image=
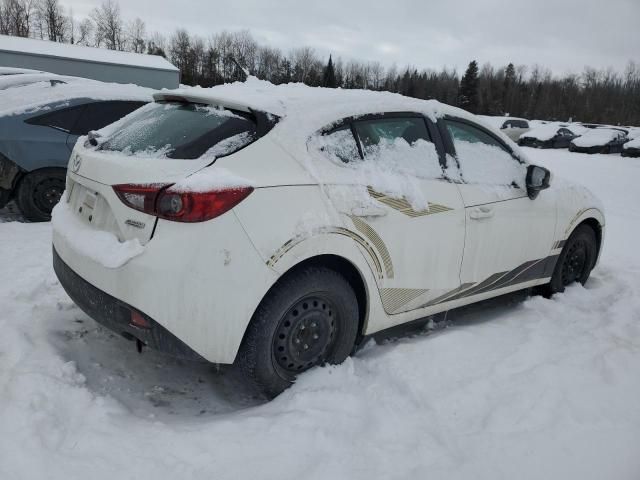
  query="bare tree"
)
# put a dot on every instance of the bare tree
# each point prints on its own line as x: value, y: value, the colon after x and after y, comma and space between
x: 136, y: 34
x: 51, y: 16
x: 16, y: 17
x: 109, y: 26
x: 85, y: 32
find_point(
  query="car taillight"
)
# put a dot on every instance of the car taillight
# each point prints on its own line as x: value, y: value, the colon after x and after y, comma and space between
x: 162, y: 201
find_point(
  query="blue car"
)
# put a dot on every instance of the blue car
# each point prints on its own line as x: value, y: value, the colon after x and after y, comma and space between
x: 39, y: 126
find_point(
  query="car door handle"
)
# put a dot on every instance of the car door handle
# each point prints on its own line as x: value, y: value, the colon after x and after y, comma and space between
x: 481, y: 213
x: 368, y: 211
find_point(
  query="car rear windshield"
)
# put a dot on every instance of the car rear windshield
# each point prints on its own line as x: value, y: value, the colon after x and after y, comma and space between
x: 181, y: 131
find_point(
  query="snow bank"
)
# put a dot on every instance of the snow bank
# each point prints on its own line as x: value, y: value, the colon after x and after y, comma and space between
x: 100, y: 246
x: 596, y: 137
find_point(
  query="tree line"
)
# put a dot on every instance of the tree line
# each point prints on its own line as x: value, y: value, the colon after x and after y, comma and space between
x: 599, y: 96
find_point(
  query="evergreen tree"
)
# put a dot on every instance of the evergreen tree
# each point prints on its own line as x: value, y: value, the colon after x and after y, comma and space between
x: 329, y: 76
x: 507, y: 91
x: 468, y: 93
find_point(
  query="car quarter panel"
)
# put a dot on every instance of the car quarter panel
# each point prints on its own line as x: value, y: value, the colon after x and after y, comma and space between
x: 190, y: 278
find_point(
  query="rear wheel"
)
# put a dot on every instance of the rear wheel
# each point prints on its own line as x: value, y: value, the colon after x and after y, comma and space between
x: 39, y: 192
x: 4, y: 197
x: 308, y: 319
x: 576, y: 260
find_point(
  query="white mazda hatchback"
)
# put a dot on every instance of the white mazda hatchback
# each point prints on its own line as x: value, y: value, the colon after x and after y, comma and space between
x: 275, y: 227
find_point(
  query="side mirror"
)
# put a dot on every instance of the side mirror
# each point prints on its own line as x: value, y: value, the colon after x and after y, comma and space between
x: 537, y: 179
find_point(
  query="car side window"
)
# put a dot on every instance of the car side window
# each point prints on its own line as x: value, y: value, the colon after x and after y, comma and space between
x: 482, y: 158
x: 98, y: 115
x: 64, y: 120
x: 403, y: 144
x: 340, y: 145
x: 374, y: 132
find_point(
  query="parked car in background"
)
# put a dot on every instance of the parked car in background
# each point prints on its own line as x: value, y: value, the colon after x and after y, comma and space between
x: 631, y: 148
x: 551, y: 135
x: 16, y: 71
x: 40, y: 122
x: 274, y: 227
x: 512, y: 127
x: 600, y: 140
x: 19, y: 80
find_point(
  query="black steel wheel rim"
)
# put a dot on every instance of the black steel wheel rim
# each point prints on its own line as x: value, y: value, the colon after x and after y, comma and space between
x: 575, y: 263
x: 48, y: 193
x: 305, y: 334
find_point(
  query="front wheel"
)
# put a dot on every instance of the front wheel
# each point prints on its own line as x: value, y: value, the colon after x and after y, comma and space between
x: 576, y: 260
x: 39, y: 192
x: 308, y: 319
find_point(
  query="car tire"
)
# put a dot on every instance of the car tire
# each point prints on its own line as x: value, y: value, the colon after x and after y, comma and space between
x: 576, y: 260
x: 5, y: 195
x: 309, y: 318
x: 39, y: 192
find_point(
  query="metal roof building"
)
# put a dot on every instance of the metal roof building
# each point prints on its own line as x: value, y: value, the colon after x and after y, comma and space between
x: 99, y: 64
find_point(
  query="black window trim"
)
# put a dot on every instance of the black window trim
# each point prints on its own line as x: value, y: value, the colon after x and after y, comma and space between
x: 434, y: 133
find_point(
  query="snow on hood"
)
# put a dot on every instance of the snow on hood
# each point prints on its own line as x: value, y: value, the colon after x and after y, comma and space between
x: 37, y: 96
x: 497, y: 122
x: 596, y: 137
x: 633, y: 143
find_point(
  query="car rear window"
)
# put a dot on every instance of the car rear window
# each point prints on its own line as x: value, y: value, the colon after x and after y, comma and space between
x: 182, y: 131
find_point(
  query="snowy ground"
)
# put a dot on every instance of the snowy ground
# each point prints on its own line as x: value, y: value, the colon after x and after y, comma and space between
x: 540, y: 389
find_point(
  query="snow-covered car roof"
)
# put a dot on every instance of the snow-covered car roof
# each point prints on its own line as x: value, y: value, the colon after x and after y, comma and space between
x: 597, y: 136
x: 497, y: 122
x: 11, y: 81
x: 36, y: 96
x: 304, y: 110
x: 543, y: 132
x: 16, y: 71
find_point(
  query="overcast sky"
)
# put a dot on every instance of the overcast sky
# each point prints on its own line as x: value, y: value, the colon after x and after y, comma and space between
x: 563, y: 35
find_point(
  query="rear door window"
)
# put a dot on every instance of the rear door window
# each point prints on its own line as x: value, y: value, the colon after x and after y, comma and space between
x: 64, y: 119
x: 403, y: 144
x: 98, y: 115
x: 182, y: 131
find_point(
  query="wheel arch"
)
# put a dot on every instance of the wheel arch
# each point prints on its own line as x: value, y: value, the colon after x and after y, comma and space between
x: 596, y: 226
x: 343, y: 266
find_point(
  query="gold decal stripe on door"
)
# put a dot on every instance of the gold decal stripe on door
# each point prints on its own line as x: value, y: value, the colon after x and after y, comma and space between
x: 403, y: 206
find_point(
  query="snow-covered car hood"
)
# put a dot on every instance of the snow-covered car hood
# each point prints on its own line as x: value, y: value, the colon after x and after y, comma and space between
x: 633, y: 144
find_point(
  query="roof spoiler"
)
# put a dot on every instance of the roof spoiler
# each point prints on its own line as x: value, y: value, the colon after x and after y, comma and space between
x: 183, y: 97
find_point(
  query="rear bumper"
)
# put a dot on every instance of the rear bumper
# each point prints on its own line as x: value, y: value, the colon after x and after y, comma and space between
x: 115, y: 314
